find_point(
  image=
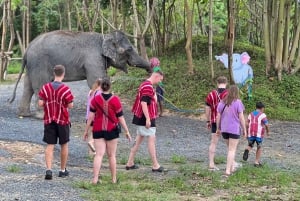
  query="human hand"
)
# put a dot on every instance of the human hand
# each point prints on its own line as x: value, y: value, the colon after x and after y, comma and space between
x: 148, y: 123
x: 208, y: 124
x: 128, y: 136
x: 85, y: 136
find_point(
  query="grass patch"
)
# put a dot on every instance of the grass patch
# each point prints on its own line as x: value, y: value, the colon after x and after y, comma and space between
x: 191, y: 182
x: 13, y: 169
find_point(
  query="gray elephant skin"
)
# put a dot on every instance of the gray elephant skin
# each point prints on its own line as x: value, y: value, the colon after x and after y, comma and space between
x: 85, y: 55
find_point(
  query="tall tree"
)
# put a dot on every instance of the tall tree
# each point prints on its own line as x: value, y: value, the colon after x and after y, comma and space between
x: 188, y: 44
x: 140, y: 34
x: 230, y: 35
x: 210, y: 39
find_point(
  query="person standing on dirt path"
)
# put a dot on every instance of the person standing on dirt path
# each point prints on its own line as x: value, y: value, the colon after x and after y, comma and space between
x: 96, y: 89
x: 230, y: 118
x: 212, y: 100
x: 56, y: 98
x: 144, y: 114
x: 257, y: 124
x: 107, y: 113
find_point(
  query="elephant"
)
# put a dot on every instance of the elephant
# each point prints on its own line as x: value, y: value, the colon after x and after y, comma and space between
x: 85, y: 55
x: 242, y: 71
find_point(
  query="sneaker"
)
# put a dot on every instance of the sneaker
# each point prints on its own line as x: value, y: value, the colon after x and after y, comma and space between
x: 63, y: 174
x: 48, y: 175
x: 245, y: 156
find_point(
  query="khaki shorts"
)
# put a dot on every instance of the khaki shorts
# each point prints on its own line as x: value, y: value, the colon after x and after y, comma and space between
x: 143, y: 131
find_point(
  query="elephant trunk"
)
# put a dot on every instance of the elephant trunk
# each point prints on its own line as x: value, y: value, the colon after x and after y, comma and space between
x: 139, y: 62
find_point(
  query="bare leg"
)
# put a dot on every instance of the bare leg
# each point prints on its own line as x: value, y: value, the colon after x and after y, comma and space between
x: 134, y: 149
x: 212, y: 149
x: 100, y: 146
x: 64, y: 152
x: 258, y: 155
x: 232, y: 145
x: 49, y: 155
x: 152, y: 151
x: 111, y: 153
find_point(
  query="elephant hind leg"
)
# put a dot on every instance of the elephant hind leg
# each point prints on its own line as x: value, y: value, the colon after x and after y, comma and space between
x: 24, y: 105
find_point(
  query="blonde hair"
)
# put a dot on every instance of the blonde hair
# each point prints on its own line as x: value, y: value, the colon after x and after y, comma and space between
x: 233, y: 94
x: 95, y: 86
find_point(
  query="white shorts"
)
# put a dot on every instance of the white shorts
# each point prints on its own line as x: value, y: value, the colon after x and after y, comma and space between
x: 143, y: 131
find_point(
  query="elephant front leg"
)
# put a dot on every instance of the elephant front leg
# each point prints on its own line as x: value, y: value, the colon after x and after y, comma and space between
x: 24, y: 105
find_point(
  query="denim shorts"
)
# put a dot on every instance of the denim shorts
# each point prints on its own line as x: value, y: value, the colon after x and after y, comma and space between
x: 143, y: 131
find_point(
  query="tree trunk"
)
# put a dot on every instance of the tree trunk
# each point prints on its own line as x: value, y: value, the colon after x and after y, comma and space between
x: 141, y: 34
x: 3, y: 55
x: 69, y: 15
x: 286, y: 38
x: 210, y: 39
x: 230, y: 36
x: 267, y: 38
x: 279, y: 44
x: 86, y: 15
x: 188, y: 45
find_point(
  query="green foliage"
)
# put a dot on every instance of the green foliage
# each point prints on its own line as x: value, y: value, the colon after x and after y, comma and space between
x: 14, y: 169
x: 14, y: 67
x: 187, y: 92
x: 192, y: 182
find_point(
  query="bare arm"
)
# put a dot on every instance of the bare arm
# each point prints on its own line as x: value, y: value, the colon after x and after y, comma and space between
x: 88, y: 125
x: 124, y: 125
x: 218, y: 123
x: 146, y: 113
x: 243, y: 124
x: 267, y: 129
x: 208, y: 114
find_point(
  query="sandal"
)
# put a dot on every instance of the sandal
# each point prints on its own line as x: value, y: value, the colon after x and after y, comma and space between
x: 160, y: 169
x: 133, y: 167
x: 213, y: 169
x: 258, y: 165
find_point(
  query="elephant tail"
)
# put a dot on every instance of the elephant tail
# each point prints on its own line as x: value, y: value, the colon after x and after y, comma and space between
x: 18, y: 80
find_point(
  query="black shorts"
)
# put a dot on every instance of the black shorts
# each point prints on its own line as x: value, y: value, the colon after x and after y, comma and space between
x: 213, y: 127
x: 54, y: 132
x: 107, y: 135
x: 226, y: 136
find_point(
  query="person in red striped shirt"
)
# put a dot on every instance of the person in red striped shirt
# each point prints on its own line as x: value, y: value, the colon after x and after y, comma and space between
x: 56, y: 98
x: 144, y: 114
x: 257, y: 125
x: 212, y: 100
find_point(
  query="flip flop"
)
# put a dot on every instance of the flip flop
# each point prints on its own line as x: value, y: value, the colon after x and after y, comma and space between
x: 160, y: 169
x: 133, y: 167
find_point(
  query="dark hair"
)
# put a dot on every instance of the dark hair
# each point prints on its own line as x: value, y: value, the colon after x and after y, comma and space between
x: 59, y: 70
x: 259, y: 105
x: 222, y: 80
x: 105, y: 84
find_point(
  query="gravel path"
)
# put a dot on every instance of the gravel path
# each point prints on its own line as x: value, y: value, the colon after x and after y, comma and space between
x: 21, y: 147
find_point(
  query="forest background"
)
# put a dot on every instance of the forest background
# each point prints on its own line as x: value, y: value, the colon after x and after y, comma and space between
x: 185, y: 36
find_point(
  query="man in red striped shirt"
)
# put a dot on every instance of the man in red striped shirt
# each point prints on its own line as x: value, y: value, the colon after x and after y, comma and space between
x: 212, y: 100
x: 145, y: 113
x: 56, y: 98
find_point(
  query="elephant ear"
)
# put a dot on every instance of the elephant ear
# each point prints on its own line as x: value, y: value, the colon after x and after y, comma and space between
x: 109, y: 47
x: 245, y: 58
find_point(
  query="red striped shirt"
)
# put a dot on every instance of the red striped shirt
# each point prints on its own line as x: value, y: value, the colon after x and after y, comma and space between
x: 257, y: 121
x: 56, y: 103
x: 212, y: 100
x: 111, y: 107
x: 145, y: 89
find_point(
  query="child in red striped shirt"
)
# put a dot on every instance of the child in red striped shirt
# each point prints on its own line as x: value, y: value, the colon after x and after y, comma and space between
x: 256, y: 126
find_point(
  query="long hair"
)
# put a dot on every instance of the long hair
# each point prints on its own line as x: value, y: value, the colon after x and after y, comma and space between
x: 95, y: 86
x: 233, y: 94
